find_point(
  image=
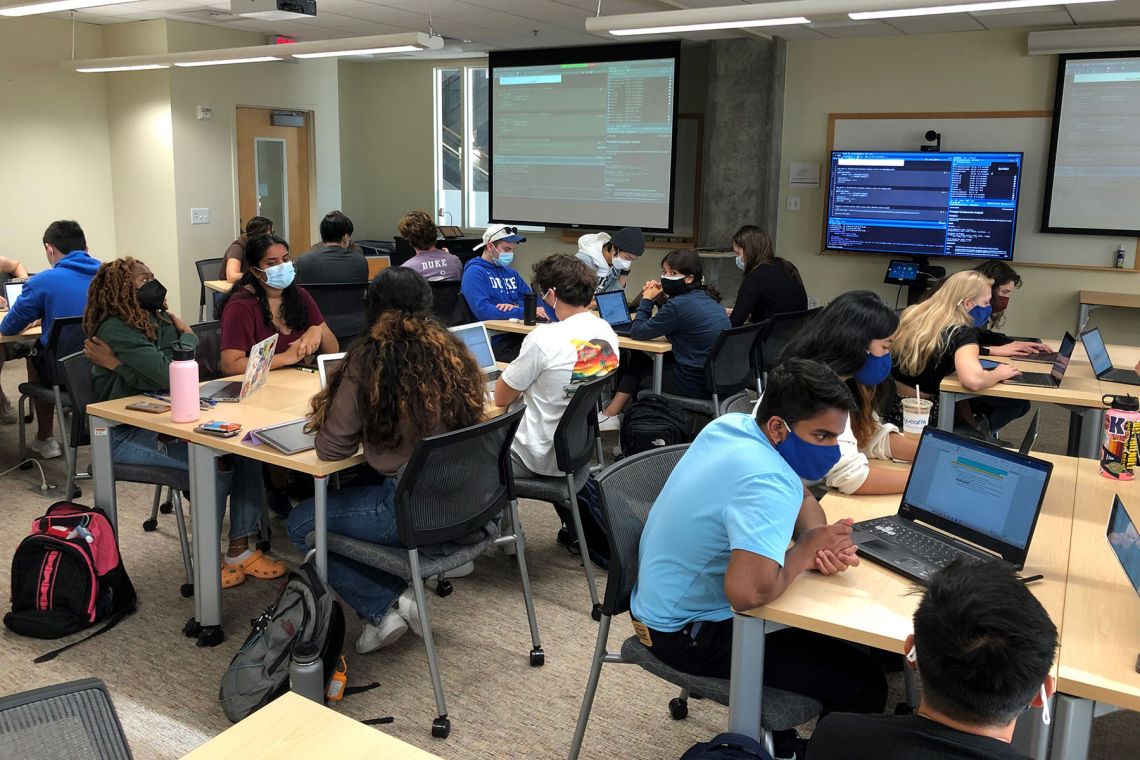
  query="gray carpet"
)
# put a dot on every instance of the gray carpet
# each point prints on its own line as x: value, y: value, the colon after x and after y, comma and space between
x: 165, y: 687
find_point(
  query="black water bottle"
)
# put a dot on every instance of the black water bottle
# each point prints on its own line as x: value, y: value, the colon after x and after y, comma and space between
x: 530, y: 309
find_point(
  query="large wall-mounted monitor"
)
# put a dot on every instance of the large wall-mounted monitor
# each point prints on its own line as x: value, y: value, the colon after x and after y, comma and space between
x: 584, y: 136
x: 923, y: 203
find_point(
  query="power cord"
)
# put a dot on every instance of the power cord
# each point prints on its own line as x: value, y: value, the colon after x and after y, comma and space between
x: 43, y: 478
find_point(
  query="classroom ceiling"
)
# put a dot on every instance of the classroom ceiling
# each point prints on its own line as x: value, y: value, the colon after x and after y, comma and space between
x: 481, y: 25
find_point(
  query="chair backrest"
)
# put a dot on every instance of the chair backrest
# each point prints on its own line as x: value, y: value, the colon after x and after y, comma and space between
x: 66, y: 337
x: 208, y: 269
x: 578, y: 429
x: 209, y: 351
x: 342, y: 306
x: 445, y: 302
x: 741, y: 404
x: 76, y: 372
x: 627, y: 491
x: 463, y: 313
x: 781, y: 329
x: 456, y: 482
x: 75, y: 719
x: 730, y: 364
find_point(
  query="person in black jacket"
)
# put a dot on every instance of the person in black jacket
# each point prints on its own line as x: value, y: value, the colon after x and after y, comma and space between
x: 1006, y: 280
x: 771, y: 285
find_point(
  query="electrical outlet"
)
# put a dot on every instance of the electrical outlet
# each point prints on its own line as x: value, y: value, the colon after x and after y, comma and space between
x: 199, y: 216
x: 793, y: 204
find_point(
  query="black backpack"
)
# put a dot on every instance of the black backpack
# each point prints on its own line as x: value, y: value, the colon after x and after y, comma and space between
x: 652, y: 422
x: 593, y: 525
x: 728, y: 747
x: 67, y: 575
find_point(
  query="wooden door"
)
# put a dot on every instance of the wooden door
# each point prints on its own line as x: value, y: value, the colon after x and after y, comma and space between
x: 273, y: 174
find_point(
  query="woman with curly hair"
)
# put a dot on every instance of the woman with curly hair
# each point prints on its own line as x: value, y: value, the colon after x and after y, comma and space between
x: 407, y: 379
x: 131, y: 337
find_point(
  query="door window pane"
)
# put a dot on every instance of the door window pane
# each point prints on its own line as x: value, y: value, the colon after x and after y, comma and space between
x: 449, y: 185
x: 272, y: 183
x: 478, y: 134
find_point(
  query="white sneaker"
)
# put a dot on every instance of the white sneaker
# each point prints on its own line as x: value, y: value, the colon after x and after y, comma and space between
x: 608, y: 423
x: 462, y: 571
x: 376, y: 636
x: 410, y: 611
x: 48, y: 449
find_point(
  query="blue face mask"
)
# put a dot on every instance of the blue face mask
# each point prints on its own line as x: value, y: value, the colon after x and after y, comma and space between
x: 280, y: 276
x: 740, y: 263
x: 875, y: 370
x: 809, y: 461
x: 981, y: 315
x: 505, y: 258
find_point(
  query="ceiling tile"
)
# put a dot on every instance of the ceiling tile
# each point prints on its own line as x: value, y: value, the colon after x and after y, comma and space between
x: 1023, y: 19
x: 1093, y: 13
x: 950, y: 22
x: 848, y: 29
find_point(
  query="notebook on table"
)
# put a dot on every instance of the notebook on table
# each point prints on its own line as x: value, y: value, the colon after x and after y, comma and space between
x: 613, y: 308
x: 1102, y: 363
x: 256, y: 375
x: 964, y: 499
x: 478, y: 342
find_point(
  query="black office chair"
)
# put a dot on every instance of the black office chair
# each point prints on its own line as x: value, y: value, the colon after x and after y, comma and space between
x: 77, y: 370
x: 728, y: 370
x: 208, y: 354
x: 627, y: 490
x: 446, y: 302
x: 208, y: 269
x: 455, y: 485
x: 66, y: 337
x: 67, y: 720
x: 782, y: 328
x: 576, y: 439
x: 342, y: 306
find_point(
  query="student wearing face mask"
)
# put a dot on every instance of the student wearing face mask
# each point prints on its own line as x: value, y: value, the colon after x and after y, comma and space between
x: 771, y: 285
x: 690, y: 317
x: 983, y: 645
x: 853, y: 335
x: 717, y: 539
x: 1006, y: 280
x: 611, y: 256
x: 131, y: 337
x: 493, y: 290
x: 939, y: 337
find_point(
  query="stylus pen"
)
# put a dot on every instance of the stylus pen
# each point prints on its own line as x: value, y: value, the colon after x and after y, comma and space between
x: 1032, y: 578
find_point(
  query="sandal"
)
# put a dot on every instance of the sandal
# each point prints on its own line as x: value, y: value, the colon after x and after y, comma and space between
x: 260, y: 566
x: 232, y: 575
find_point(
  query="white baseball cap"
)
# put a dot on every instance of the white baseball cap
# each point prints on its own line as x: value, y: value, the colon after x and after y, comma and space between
x: 500, y: 233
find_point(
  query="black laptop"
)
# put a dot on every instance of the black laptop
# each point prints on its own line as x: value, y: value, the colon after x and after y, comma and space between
x: 1052, y: 378
x: 964, y: 499
x: 613, y: 308
x: 1102, y: 363
x: 1046, y: 358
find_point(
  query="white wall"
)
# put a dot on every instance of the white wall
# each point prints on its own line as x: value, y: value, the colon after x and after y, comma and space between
x: 972, y: 71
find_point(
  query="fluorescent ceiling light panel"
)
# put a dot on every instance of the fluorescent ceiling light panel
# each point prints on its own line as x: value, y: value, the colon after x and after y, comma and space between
x: 54, y: 6
x: 127, y: 67
x: 227, y: 61
x: 372, y: 51
x: 710, y: 25
x: 938, y: 10
x: 701, y: 19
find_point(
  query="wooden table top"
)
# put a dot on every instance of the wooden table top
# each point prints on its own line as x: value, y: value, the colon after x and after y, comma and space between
x: 1100, y: 637
x: 219, y: 286
x: 873, y: 606
x: 27, y: 336
x: 1107, y: 298
x: 294, y: 727
x: 1079, y: 388
x: 656, y: 346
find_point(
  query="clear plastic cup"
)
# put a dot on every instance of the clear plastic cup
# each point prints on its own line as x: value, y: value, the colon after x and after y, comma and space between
x: 916, y: 414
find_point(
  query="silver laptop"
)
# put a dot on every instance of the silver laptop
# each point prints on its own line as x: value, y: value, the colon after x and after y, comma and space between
x: 1102, y: 363
x: 256, y: 374
x: 613, y: 308
x: 12, y: 291
x: 478, y: 342
x: 964, y: 499
x: 1125, y: 542
x: 327, y: 366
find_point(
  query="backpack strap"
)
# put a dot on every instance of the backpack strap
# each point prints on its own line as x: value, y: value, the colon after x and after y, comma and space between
x: 113, y: 621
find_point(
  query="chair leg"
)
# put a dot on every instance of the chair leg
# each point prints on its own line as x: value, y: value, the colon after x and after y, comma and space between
x: 591, y: 686
x: 596, y: 607
x: 598, y: 441
x: 151, y: 523
x: 716, y: 406
x: 22, y: 425
x: 68, y: 453
x: 441, y: 726
x: 187, y: 562
x: 537, y: 656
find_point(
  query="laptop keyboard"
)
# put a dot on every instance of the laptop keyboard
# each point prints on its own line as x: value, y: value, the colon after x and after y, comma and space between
x: 493, y: 375
x: 1122, y: 376
x: 935, y: 552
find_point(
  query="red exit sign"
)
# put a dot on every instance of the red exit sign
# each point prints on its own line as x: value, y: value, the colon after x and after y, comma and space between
x: 281, y: 39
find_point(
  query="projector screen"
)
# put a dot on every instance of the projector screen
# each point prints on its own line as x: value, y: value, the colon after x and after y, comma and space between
x: 1093, y: 183
x: 584, y: 136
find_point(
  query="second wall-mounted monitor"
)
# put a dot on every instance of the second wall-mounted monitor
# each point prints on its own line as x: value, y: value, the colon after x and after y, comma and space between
x: 923, y: 203
x: 584, y: 136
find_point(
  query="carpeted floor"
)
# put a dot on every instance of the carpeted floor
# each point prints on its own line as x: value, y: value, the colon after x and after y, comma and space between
x: 165, y: 687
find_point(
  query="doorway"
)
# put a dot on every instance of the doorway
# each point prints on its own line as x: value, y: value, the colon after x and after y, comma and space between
x: 273, y: 173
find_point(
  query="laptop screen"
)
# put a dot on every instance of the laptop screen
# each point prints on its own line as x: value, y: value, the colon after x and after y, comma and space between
x: 1125, y: 542
x: 12, y: 291
x: 976, y: 491
x: 327, y: 366
x: 1064, y: 355
x: 1098, y: 354
x: 475, y: 338
x: 612, y: 307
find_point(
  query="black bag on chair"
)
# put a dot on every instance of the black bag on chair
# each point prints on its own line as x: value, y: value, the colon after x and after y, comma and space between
x: 652, y: 422
x: 593, y: 525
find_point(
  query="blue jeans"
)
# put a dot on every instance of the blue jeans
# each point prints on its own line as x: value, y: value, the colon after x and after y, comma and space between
x: 241, y: 483
x: 366, y: 513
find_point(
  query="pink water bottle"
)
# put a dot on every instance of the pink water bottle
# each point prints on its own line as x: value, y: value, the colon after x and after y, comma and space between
x: 184, y: 402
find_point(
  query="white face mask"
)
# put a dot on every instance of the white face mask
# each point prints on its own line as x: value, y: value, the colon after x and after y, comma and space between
x: 621, y: 265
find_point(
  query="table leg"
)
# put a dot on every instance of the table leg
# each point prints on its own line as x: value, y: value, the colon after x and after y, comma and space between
x: 946, y: 402
x: 1082, y: 316
x: 658, y: 371
x: 1031, y: 736
x: 103, y: 469
x: 209, y: 306
x: 205, y: 519
x: 1092, y: 421
x: 746, y: 685
x: 1072, y: 726
x: 321, y: 524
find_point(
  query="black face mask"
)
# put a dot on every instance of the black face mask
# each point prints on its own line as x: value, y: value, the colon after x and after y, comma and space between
x: 152, y: 295
x: 673, y: 288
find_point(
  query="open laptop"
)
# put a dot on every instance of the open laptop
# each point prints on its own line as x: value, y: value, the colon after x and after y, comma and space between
x: 1125, y: 542
x: 964, y: 498
x: 256, y: 374
x: 12, y: 291
x: 327, y: 366
x: 613, y: 308
x: 478, y: 342
x: 1052, y: 378
x: 1046, y: 358
x: 1102, y: 363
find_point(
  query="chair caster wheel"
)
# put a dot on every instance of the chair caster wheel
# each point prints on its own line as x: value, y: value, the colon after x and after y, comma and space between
x: 211, y: 636
x: 440, y: 728
x: 537, y: 657
x: 678, y: 708
x: 187, y: 590
x: 444, y: 588
x: 596, y: 612
x: 192, y: 629
x: 150, y: 525
x: 263, y: 546
x: 166, y: 508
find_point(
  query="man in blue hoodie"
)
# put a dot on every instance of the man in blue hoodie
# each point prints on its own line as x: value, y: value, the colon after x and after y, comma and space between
x: 495, y: 291
x: 59, y: 292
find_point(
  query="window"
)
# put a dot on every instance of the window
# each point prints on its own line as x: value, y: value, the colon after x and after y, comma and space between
x: 462, y: 138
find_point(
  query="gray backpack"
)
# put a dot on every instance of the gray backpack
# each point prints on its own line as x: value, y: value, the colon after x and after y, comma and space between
x: 304, y: 611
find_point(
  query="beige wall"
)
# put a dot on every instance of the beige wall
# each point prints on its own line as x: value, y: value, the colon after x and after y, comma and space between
x: 55, y: 156
x: 974, y: 71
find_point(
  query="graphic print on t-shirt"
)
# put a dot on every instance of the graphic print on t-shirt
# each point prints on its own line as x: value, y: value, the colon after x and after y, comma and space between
x: 596, y: 358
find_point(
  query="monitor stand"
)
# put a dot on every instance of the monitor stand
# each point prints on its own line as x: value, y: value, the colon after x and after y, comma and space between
x: 927, y: 273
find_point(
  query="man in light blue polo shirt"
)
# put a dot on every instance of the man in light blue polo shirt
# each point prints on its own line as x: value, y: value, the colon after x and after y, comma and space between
x: 718, y: 537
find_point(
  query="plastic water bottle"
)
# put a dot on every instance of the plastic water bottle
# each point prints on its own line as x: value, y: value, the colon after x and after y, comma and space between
x: 307, y: 672
x: 184, y: 401
x: 1118, y: 446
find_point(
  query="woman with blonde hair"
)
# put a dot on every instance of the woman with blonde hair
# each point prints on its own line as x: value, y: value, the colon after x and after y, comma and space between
x: 939, y: 337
